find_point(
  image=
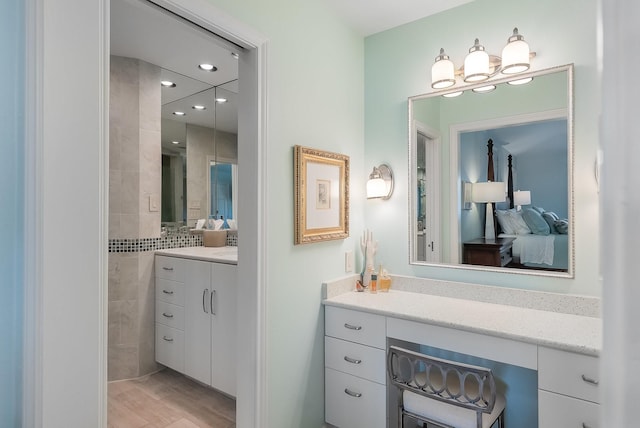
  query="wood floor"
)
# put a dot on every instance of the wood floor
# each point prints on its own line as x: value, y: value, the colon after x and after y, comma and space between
x: 167, y: 399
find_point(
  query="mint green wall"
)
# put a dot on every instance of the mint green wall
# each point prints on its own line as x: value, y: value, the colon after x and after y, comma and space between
x: 315, y: 96
x: 11, y: 213
x: 398, y: 65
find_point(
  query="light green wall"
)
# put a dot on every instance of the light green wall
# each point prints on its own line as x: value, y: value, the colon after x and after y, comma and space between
x: 398, y: 65
x: 315, y: 99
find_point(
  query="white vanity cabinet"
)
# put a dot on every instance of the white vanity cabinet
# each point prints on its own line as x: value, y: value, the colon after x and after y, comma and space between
x: 355, y: 375
x: 169, y: 272
x: 207, y: 324
x: 568, y: 393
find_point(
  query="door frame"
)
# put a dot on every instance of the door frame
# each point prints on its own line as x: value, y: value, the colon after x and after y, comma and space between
x: 65, y: 348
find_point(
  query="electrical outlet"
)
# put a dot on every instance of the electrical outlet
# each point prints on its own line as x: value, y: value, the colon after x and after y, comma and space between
x: 348, y: 261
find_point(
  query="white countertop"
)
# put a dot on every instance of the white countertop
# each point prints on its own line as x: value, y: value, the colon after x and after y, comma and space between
x: 228, y: 255
x: 569, y: 332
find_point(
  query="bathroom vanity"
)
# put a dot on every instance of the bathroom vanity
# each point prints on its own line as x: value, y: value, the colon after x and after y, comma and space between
x: 196, y: 313
x: 557, y: 336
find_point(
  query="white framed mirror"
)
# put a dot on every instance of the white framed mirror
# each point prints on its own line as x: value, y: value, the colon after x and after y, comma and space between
x: 531, y: 131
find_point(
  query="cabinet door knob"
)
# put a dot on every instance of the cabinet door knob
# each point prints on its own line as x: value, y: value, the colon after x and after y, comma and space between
x: 166, y: 315
x: 590, y: 380
x: 352, y: 327
x: 352, y: 360
x: 351, y: 393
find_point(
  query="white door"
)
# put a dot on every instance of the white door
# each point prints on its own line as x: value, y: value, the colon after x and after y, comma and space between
x: 223, y: 327
x: 428, y: 204
x: 197, y: 321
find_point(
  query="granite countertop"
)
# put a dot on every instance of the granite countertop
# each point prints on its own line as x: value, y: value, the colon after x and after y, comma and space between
x: 569, y: 332
x: 228, y: 255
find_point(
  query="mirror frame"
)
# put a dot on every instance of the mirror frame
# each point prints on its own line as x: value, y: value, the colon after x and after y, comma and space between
x: 455, y: 205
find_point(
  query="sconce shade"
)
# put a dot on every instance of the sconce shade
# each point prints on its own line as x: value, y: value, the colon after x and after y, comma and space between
x: 490, y: 191
x: 380, y: 183
x: 476, y: 64
x: 442, y: 72
x: 522, y: 197
x: 515, y: 55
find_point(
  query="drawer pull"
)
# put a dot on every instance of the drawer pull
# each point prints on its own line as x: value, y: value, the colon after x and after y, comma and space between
x: 166, y: 315
x: 167, y: 292
x: 352, y: 360
x: 589, y: 380
x: 352, y: 327
x: 167, y: 268
x: 168, y: 339
x: 351, y: 393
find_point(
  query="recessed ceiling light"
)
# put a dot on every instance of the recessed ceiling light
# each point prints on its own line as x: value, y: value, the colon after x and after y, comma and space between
x: 221, y: 100
x: 199, y: 107
x: 176, y: 142
x: 168, y: 84
x: 207, y: 67
x: 179, y: 113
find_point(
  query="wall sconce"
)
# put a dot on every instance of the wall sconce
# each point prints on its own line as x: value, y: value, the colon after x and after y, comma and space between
x: 380, y: 183
x: 489, y: 192
x: 521, y: 197
x: 480, y: 66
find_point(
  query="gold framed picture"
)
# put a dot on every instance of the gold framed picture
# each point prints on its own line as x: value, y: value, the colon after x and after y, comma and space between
x: 321, y: 187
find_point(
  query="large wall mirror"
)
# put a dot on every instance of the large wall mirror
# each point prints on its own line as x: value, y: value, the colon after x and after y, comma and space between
x: 517, y: 140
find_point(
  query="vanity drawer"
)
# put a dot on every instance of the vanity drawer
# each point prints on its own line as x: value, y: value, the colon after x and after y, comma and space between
x: 172, y: 268
x: 355, y: 326
x: 170, y: 291
x: 170, y: 347
x: 352, y: 402
x: 352, y: 358
x: 560, y: 411
x: 170, y: 315
x: 568, y: 373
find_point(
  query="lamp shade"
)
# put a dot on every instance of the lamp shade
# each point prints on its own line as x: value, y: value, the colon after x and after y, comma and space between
x: 476, y: 64
x: 376, y: 188
x: 515, y: 55
x: 490, y: 191
x: 522, y: 197
x: 442, y: 72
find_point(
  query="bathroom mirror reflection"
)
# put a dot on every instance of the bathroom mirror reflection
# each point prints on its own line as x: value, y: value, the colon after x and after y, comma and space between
x: 530, y: 127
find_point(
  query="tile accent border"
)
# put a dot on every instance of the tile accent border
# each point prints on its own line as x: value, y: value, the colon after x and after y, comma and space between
x: 178, y: 240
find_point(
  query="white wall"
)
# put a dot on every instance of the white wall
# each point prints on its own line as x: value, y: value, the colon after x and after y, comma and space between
x: 398, y: 64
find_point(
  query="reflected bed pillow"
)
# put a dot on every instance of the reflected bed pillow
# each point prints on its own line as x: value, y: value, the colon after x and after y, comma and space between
x: 512, y: 223
x: 562, y: 226
x: 537, y: 224
x: 550, y: 217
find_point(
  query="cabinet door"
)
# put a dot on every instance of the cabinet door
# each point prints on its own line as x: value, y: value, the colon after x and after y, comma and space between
x: 197, y: 321
x: 223, y: 331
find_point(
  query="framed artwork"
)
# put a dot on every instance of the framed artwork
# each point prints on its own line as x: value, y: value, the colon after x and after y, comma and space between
x: 321, y: 187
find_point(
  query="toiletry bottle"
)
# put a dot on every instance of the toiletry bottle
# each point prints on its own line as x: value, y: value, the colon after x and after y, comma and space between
x: 373, y: 285
x: 384, y: 280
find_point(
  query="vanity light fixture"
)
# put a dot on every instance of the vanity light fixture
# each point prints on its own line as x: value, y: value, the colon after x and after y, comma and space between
x: 521, y: 197
x: 520, y: 81
x: 175, y: 142
x: 168, y: 84
x: 179, y: 113
x: 198, y: 107
x: 221, y: 100
x: 489, y: 192
x: 208, y: 67
x: 380, y: 183
x: 480, y: 65
x: 453, y: 94
x: 484, y: 89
